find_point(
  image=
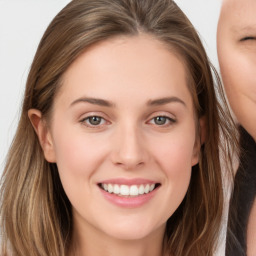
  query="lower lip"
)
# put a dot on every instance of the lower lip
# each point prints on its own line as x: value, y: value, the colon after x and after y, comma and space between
x: 129, y: 202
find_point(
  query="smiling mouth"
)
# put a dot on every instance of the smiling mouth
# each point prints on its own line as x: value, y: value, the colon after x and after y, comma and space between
x: 128, y: 190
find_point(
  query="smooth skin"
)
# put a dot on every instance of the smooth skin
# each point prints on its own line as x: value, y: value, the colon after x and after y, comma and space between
x: 236, y: 42
x: 105, y: 125
x: 237, y: 57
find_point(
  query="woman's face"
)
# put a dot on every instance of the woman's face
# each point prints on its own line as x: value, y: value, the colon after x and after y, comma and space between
x: 123, y: 136
x: 237, y: 57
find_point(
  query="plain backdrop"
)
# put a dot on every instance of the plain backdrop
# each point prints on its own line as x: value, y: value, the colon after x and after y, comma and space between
x: 22, y: 23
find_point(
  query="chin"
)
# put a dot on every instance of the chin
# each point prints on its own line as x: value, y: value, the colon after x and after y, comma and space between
x: 133, y: 232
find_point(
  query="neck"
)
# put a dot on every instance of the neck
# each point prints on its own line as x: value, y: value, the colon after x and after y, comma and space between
x: 94, y: 243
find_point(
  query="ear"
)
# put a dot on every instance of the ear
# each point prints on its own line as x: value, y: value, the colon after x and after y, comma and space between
x: 43, y: 133
x: 199, y: 141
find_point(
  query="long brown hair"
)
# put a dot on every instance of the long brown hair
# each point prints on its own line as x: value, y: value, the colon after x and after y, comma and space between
x: 36, y: 216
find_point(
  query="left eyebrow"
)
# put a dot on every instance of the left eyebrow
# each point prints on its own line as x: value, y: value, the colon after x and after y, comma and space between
x: 165, y: 100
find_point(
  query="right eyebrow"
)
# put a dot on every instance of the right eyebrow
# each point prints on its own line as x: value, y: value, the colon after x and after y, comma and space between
x: 94, y: 101
x: 245, y: 29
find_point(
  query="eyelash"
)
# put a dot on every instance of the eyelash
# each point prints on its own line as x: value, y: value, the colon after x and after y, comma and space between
x: 86, y: 121
x: 168, y: 121
x: 247, y: 38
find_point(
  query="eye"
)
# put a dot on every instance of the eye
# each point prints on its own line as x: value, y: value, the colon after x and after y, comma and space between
x: 162, y: 120
x: 93, y: 121
x: 247, y: 38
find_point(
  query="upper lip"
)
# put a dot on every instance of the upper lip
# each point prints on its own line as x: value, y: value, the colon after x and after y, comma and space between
x: 124, y: 181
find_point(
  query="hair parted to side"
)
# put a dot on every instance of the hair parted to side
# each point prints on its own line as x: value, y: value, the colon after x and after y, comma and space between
x: 36, y: 216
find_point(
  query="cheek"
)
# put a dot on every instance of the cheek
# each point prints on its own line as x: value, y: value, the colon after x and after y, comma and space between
x: 175, y: 156
x: 70, y: 154
x: 175, y: 161
x: 77, y: 155
x: 238, y: 69
x: 238, y: 73
x: 248, y: 81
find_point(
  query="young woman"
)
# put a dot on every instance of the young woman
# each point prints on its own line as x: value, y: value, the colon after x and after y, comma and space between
x: 237, y: 54
x: 117, y: 149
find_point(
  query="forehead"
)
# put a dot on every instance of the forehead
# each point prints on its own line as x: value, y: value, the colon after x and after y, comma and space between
x: 238, y: 14
x: 124, y: 65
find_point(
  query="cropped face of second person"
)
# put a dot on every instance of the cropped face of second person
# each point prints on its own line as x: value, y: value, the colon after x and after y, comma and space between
x: 237, y: 57
x: 123, y: 133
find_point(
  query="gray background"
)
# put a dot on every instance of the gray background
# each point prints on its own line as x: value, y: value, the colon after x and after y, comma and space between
x: 22, y: 23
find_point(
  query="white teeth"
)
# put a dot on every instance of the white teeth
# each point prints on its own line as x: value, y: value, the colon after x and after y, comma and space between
x: 146, y: 189
x: 141, y: 189
x: 110, y: 188
x: 105, y: 186
x: 134, y: 191
x: 125, y: 190
x: 152, y: 187
x: 116, y: 189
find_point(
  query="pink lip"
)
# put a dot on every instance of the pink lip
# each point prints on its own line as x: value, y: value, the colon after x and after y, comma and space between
x: 128, y: 182
x: 129, y: 202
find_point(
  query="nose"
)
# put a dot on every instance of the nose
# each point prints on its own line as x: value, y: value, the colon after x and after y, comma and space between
x: 129, y: 150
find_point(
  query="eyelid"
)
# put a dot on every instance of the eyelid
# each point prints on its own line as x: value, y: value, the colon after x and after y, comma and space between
x: 246, y: 38
x: 93, y: 114
x: 170, y: 117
